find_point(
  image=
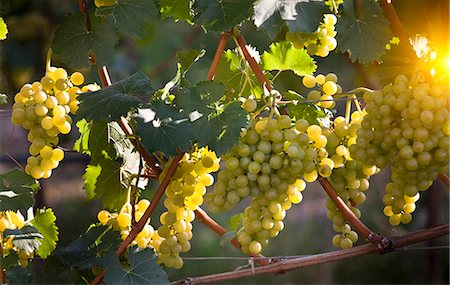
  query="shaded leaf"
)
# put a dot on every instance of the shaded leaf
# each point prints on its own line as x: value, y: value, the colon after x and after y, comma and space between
x: 303, y: 110
x: 283, y: 56
x: 16, y: 190
x: 221, y: 15
x: 86, y: 251
x: 143, y: 268
x: 112, y: 102
x: 129, y: 16
x: 9, y: 260
x: 309, y: 16
x: 187, y: 57
x: 18, y: 275
x: 102, y: 180
x: 75, y: 44
x: 365, y: 38
x: 179, y: 9
x: 44, y: 222
x: 163, y: 128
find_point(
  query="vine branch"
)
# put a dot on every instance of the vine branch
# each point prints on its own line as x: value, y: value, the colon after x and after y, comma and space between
x: 205, y: 219
x: 252, y: 62
x: 2, y: 270
x: 137, y: 228
x: 444, y: 178
x: 287, y: 265
x: 383, y: 244
x: 220, y: 47
x: 396, y: 25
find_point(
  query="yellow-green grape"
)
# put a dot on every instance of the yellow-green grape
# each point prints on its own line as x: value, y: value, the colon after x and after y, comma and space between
x: 404, y: 127
x: 104, y: 216
x: 249, y: 105
x: 309, y: 81
x: 124, y: 220
x: 329, y: 88
x: 77, y: 78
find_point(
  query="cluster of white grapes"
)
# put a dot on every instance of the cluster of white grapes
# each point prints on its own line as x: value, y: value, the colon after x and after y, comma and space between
x: 122, y: 221
x: 320, y: 42
x: 327, y: 87
x: 184, y: 195
x: 407, y: 127
x: 271, y: 163
x: 350, y: 178
x: 13, y: 220
x: 43, y: 108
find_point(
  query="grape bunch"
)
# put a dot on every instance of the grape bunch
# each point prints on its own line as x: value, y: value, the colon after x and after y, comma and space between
x: 406, y: 127
x: 13, y: 220
x: 184, y: 195
x: 43, y: 109
x: 271, y: 163
x: 327, y: 87
x: 350, y: 178
x: 320, y: 42
x: 122, y: 221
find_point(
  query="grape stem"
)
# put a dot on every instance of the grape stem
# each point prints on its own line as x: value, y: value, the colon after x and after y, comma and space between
x: 220, y: 47
x: 396, y: 25
x: 137, y: 228
x: 123, y: 123
x: 291, y: 264
x: 2, y: 270
x: 383, y: 244
x: 205, y: 219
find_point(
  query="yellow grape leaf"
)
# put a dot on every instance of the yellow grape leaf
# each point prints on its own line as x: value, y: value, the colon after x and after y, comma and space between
x: 3, y: 29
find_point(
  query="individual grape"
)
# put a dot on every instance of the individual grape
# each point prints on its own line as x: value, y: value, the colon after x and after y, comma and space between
x: 77, y: 78
x: 250, y: 105
x: 309, y: 81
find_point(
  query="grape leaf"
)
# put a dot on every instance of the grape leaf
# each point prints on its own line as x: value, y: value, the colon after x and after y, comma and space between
x: 221, y: 15
x: 143, y: 268
x: 129, y: 16
x: 303, y: 110
x: 179, y: 9
x: 187, y: 57
x: 112, y: 102
x: 235, y: 221
x: 16, y: 190
x: 102, y: 180
x: 18, y: 275
x: 3, y: 30
x: 224, y: 127
x: 86, y: 251
x: 265, y: 9
x: 94, y: 140
x: 232, y: 71
x: 222, y: 120
x: 9, y: 260
x: 76, y: 44
x: 3, y: 99
x: 27, y: 238
x: 163, y: 128
x: 365, y: 38
x: 309, y: 16
x: 44, y: 222
x: 283, y: 56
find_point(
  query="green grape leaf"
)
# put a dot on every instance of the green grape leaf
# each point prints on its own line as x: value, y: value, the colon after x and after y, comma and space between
x: 79, y: 47
x: 283, y: 56
x: 86, y: 251
x: 129, y: 16
x: 3, y: 29
x: 18, y: 275
x: 365, y: 38
x: 236, y: 221
x: 16, y: 190
x: 163, y: 128
x: 9, y: 260
x: 44, y: 222
x: 309, y: 16
x: 221, y: 15
x: 3, y: 99
x: 224, y: 127
x: 27, y: 238
x: 223, y: 121
x: 233, y: 71
x: 179, y: 9
x: 187, y: 57
x: 303, y: 110
x: 95, y: 140
x: 142, y: 269
x: 102, y: 180
x: 112, y: 102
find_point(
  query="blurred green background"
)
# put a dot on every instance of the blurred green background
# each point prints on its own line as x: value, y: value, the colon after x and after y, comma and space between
x: 22, y: 59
